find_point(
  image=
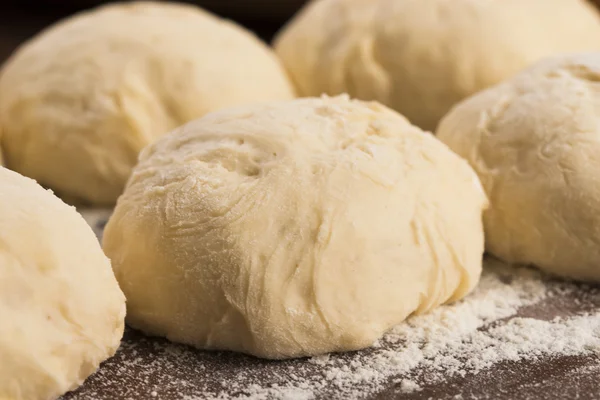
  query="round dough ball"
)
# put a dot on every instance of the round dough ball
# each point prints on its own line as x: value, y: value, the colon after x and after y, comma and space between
x: 80, y: 100
x: 61, y: 309
x: 294, y: 228
x: 535, y: 144
x: 422, y: 56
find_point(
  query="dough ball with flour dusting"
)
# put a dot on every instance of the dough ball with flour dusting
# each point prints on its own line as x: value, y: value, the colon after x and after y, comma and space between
x: 420, y: 57
x: 535, y: 144
x: 81, y: 99
x: 295, y: 228
x: 61, y: 309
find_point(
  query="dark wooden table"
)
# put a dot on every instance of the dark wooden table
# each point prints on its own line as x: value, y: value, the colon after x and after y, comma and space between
x: 147, y: 368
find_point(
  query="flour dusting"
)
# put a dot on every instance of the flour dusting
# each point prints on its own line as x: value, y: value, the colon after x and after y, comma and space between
x: 492, y: 325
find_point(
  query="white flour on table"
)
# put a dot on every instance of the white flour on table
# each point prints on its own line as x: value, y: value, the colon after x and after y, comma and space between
x: 467, y: 337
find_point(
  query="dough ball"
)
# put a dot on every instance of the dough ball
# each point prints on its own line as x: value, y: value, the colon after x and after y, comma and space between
x: 422, y: 56
x: 535, y: 144
x: 294, y: 228
x: 80, y: 100
x: 61, y: 309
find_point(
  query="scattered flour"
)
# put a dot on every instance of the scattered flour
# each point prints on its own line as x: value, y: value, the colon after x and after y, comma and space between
x: 465, y: 338
x: 408, y: 386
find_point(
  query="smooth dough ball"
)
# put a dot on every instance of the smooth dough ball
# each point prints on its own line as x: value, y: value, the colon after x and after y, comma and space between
x: 420, y: 57
x: 80, y: 100
x: 61, y: 309
x: 535, y: 144
x: 295, y: 228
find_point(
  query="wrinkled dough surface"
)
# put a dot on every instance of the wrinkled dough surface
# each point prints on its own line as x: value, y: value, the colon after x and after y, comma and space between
x: 295, y: 228
x: 535, y: 144
x: 61, y: 309
x: 422, y: 56
x: 81, y: 99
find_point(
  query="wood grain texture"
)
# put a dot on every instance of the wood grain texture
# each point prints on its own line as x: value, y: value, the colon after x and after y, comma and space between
x: 146, y: 367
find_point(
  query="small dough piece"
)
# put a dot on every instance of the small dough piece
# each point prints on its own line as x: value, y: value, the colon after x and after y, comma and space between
x: 420, y: 57
x: 80, y: 100
x: 61, y: 309
x: 296, y: 228
x: 535, y: 144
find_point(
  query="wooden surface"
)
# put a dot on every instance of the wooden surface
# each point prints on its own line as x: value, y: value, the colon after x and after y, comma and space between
x: 206, y: 373
x: 147, y: 368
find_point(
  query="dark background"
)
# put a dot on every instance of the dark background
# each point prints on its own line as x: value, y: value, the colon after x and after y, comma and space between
x: 21, y: 19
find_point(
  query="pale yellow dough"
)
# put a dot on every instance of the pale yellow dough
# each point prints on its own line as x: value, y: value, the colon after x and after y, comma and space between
x: 61, y: 309
x: 80, y: 100
x: 294, y: 228
x: 535, y: 144
x: 422, y: 56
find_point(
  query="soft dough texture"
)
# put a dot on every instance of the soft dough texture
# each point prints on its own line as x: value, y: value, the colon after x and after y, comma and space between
x: 80, y: 100
x: 535, y: 144
x: 422, y: 56
x: 61, y: 309
x: 295, y: 228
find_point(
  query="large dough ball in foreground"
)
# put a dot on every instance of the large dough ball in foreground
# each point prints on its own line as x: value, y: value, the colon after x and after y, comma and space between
x: 80, y: 100
x: 535, y: 144
x: 422, y: 56
x: 61, y: 309
x: 295, y: 228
